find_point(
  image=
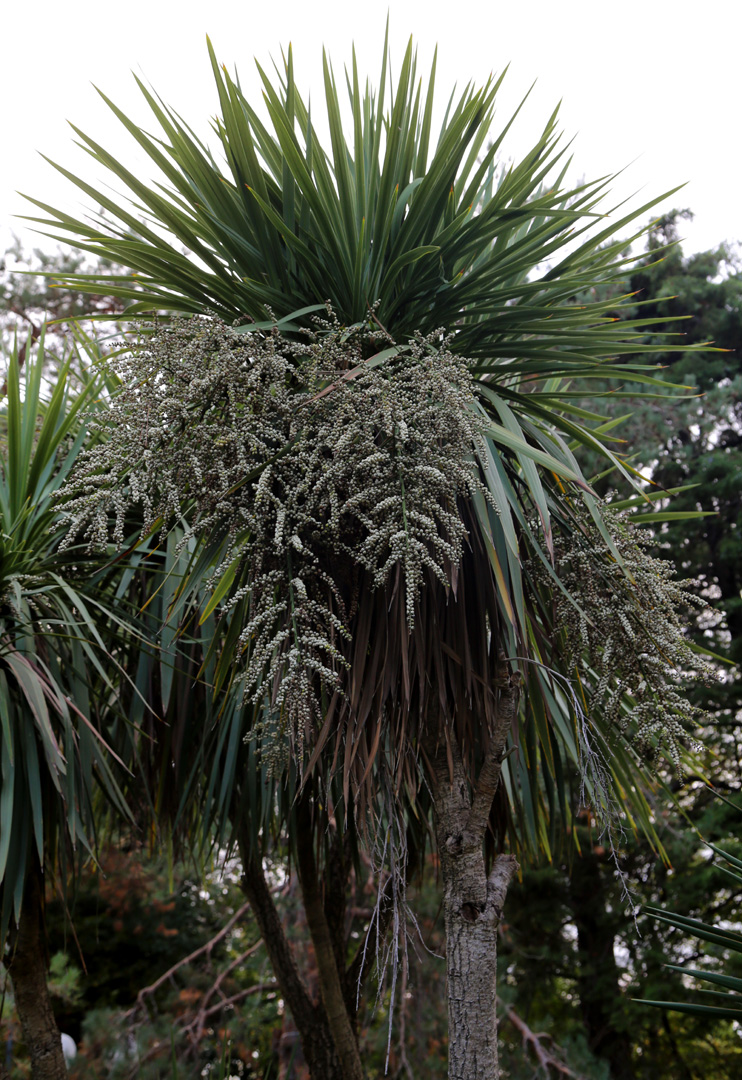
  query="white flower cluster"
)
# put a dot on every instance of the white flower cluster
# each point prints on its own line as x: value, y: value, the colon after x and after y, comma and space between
x: 320, y: 467
x: 627, y: 639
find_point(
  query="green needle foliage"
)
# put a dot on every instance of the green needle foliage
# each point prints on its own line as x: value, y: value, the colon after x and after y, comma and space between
x: 52, y: 653
x: 421, y: 247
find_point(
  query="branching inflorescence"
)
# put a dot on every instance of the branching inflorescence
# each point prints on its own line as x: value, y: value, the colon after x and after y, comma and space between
x: 313, y: 461
x: 626, y: 638
x: 320, y: 463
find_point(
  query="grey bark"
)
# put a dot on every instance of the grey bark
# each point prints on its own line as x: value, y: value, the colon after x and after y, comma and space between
x: 473, y: 899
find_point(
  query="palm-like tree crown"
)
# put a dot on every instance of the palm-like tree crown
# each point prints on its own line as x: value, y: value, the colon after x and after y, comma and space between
x: 402, y: 238
x: 54, y: 615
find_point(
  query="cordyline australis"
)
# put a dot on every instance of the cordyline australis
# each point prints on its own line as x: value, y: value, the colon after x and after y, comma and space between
x: 333, y: 482
x: 385, y: 508
x: 58, y: 625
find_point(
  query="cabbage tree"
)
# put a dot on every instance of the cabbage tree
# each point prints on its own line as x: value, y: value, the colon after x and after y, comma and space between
x: 370, y: 430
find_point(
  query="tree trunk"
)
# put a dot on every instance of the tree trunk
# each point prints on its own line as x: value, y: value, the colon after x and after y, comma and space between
x: 291, y: 1062
x: 27, y: 971
x: 330, y: 966
x: 471, y: 965
x: 311, y: 1019
x: 473, y: 900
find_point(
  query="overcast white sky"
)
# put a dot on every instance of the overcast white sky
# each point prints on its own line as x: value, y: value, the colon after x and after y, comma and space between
x: 652, y: 86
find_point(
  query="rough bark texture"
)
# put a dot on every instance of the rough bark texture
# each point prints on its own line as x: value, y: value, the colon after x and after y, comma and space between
x: 311, y: 1020
x: 27, y: 971
x: 471, y: 966
x: 473, y: 900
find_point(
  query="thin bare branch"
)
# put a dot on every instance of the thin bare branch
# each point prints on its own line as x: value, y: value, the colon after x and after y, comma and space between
x: 533, y: 1041
x: 195, y: 1028
x: 241, y: 995
x: 207, y: 948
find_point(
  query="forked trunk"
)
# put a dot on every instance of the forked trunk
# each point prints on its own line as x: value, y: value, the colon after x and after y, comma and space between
x: 312, y: 1021
x: 27, y: 971
x: 330, y: 967
x: 471, y: 964
x: 473, y: 900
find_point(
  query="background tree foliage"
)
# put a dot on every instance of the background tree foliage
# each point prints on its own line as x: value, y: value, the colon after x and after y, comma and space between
x: 31, y: 298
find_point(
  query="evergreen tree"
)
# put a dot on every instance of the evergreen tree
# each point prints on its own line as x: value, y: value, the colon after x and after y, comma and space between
x: 387, y: 512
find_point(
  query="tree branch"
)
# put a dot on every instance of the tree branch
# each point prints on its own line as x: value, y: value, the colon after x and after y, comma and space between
x: 199, y: 1020
x: 204, y: 1014
x: 504, y: 869
x: 292, y: 985
x: 489, y: 776
x: 532, y: 1039
x: 207, y: 948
